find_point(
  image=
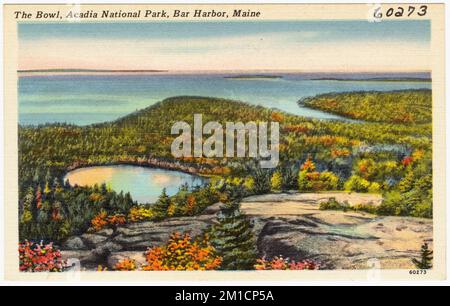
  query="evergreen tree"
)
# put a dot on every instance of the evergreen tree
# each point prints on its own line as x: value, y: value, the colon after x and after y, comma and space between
x: 276, y: 181
x: 407, y: 182
x: 289, y: 176
x: 161, y: 206
x: 426, y: 258
x: 261, y: 181
x: 233, y: 238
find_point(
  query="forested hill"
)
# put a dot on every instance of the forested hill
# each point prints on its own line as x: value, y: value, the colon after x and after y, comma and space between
x: 405, y: 107
x: 393, y: 159
x: 146, y: 133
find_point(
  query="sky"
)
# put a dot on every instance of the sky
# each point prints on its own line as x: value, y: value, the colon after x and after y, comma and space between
x: 218, y: 46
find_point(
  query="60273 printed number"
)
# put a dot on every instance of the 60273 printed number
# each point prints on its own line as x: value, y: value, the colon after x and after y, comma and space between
x: 400, y: 11
x: 418, y: 272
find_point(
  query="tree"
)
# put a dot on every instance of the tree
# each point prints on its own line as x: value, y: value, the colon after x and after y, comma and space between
x: 356, y: 183
x: 289, y: 177
x: 276, y: 181
x: 261, y: 181
x: 161, y: 206
x: 190, y: 205
x: 426, y: 258
x: 407, y: 182
x: 233, y: 238
x: 303, y: 182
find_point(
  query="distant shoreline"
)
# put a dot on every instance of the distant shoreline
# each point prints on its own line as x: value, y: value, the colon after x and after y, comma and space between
x: 375, y: 79
x: 241, y: 74
x: 253, y: 77
x: 86, y: 70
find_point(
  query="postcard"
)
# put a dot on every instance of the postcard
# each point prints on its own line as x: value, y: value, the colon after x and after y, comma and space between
x: 202, y: 142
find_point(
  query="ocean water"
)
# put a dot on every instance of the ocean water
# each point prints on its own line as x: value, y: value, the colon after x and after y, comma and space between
x: 87, y: 99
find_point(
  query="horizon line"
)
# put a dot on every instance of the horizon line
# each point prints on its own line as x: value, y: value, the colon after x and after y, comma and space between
x: 165, y: 71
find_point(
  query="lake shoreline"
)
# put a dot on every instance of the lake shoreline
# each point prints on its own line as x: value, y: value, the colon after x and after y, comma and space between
x: 144, y: 184
x: 164, y: 165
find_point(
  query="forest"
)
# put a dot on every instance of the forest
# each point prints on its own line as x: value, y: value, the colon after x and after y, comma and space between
x: 404, y: 107
x: 388, y: 150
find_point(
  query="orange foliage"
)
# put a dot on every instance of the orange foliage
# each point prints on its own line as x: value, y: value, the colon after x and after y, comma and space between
x: 126, y: 265
x: 102, y: 219
x: 313, y: 176
x: 277, y: 117
x: 339, y: 152
x: 418, y: 154
x: 280, y: 263
x: 308, y: 165
x: 180, y: 253
x: 190, y: 204
x: 116, y: 220
x: 407, y: 161
x: 298, y: 128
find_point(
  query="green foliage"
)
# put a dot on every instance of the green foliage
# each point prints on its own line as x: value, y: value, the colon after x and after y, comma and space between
x: 426, y: 258
x: 276, y: 181
x: 408, y: 106
x: 332, y: 204
x: 356, y: 183
x: 370, y: 157
x: 414, y: 198
x: 233, y: 238
x: 329, y: 180
x: 61, y: 211
x: 161, y: 207
x: 262, y: 182
x: 289, y: 177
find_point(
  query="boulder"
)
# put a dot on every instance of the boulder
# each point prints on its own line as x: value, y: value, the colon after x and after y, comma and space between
x: 74, y: 243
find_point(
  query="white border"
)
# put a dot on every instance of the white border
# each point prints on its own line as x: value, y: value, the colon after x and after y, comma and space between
x: 222, y: 283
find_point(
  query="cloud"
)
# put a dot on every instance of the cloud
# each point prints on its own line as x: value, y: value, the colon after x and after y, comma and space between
x: 296, y: 50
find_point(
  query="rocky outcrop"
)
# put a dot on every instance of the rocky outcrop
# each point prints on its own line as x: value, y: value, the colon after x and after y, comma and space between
x: 108, y: 246
x: 291, y: 225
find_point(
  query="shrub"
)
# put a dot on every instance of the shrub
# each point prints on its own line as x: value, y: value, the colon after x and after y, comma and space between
x: 261, y: 181
x: 117, y: 219
x: 276, y: 181
x: 371, y: 209
x: 356, y: 183
x: 280, y: 263
x: 139, y: 213
x: 332, y: 204
x: 329, y: 180
x: 374, y: 187
x: 126, y: 265
x: 102, y: 220
x: 181, y: 253
x: 34, y: 257
x: 249, y: 183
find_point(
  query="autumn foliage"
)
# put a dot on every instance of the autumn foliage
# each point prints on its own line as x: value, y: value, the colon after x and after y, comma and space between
x: 126, y: 265
x: 182, y: 253
x: 102, y: 220
x: 280, y: 263
x: 138, y: 214
x: 39, y: 257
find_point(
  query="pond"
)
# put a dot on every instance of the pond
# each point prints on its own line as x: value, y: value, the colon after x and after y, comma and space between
x: 143, y: 183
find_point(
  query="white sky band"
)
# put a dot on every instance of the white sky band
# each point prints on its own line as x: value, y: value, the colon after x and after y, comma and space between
x: 276, y: 46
